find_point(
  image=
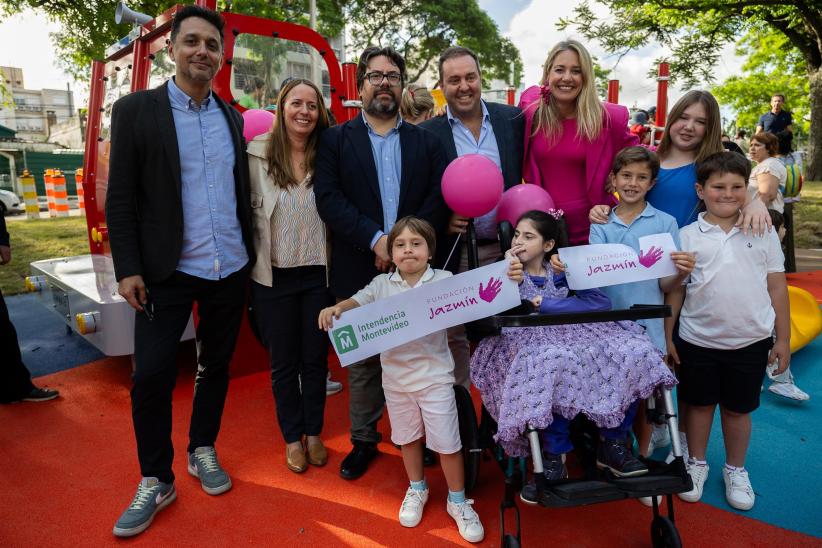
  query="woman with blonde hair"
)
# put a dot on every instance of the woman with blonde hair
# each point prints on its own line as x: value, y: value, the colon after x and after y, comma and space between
x: 417, y: 104
x: 289, y: 278
x: 571, y: 137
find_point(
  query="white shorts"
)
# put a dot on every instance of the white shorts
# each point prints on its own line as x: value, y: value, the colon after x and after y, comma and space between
x: 430, y: 412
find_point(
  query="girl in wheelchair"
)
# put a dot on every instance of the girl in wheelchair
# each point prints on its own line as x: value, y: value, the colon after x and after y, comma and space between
x: 545, y: 376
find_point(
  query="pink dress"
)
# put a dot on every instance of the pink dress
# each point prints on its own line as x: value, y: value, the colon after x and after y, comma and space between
x: 560, y: 166
x: 573, y: 171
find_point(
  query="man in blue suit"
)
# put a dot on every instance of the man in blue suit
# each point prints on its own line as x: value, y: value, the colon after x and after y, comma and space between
x: 370, y: 172
x: 473, y: 126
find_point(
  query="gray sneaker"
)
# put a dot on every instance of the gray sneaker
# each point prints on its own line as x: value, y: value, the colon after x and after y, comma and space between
x: 152, y: 496
x: 202, y: 463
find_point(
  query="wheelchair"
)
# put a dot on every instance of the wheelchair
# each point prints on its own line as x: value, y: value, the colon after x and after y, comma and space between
x: 597, y: 486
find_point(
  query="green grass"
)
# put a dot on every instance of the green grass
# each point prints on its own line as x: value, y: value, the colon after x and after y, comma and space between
x: 37, y: 239
x: 807, y: 216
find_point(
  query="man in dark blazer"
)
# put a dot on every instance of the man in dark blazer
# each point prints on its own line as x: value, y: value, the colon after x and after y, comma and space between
x: 472, y: 126
x: 370, y: 172
x: 179, y: 220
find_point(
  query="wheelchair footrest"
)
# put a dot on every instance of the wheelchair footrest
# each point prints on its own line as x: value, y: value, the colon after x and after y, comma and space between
x: 652, y: 484
x: 574, y: 493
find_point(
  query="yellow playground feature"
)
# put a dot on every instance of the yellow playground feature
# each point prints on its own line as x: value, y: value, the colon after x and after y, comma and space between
x: 806, y: 317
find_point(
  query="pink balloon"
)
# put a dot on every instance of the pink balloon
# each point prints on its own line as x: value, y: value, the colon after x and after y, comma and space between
x: 521, y: 198
x: 257, y: 122
x: 472, y: 185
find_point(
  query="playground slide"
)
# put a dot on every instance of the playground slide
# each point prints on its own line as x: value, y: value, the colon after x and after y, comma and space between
x: 806, y: 317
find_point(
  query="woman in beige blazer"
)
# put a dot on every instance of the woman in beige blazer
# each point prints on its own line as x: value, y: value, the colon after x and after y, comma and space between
x: 289, y: 279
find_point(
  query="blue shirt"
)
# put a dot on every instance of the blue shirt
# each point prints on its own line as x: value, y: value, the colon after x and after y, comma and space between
x: 213, y: 244
x: 487, y: 146
x: 615, y: 231
x: 774, y: 123
x: 388, y: 158
x: 674, y: 193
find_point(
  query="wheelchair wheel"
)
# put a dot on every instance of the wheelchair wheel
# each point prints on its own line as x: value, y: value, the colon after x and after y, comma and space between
x: 664, y: 533
x: 510, y: 541
x: 469, y: 436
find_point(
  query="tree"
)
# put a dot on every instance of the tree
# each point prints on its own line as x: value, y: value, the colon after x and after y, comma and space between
x: 696, y: 31
x: 419, y: 29
x: 772, y: 66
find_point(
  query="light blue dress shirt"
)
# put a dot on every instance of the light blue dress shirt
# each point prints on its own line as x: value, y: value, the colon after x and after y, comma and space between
x: 213, y: 245
x: 388, y: 158
x: 615, y: 231
x: 486, y: 145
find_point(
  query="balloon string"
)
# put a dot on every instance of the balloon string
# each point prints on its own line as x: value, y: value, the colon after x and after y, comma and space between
x: 453, y: 247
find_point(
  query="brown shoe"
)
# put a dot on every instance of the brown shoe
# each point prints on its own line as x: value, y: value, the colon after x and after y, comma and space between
x: 295, y: 459
x: 317, y: 455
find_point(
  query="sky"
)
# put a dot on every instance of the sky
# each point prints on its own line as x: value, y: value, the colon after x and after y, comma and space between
x: 530, y: 24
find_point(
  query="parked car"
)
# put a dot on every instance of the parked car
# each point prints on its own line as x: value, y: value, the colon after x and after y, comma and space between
x: 9, y: 201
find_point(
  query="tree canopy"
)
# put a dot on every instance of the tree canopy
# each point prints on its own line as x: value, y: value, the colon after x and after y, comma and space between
x: 418, y: 29
x: 772, y: 66
x: 695, y: 31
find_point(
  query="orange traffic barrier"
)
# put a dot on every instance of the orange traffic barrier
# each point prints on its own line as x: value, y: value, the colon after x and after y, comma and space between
x: 60, y: 194
x: 48, y: 177
x: 81, y: 194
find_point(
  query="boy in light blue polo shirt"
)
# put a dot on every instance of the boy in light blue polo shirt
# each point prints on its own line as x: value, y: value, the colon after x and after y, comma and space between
x: 633, y: 174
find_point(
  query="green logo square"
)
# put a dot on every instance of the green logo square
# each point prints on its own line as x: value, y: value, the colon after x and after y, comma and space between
x: 344, y: 339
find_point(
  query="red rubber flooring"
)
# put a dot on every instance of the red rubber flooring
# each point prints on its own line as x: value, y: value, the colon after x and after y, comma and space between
x: 68, y: 468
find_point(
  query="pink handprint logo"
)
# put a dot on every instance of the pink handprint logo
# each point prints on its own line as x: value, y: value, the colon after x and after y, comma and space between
x: 491, y: 290
x: 651, y: 258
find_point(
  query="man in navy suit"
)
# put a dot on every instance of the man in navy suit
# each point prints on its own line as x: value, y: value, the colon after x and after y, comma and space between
x: 473, y: 126
x: 370, y: 172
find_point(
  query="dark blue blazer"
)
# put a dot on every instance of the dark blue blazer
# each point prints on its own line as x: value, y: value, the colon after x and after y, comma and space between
x: 509, y: 126
x: 348, y: 195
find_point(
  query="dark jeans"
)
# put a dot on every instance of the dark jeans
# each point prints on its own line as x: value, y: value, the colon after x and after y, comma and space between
x: 15, y: 380
x: 286, y: 316
x: 220, y: 306
x: 556, y: 438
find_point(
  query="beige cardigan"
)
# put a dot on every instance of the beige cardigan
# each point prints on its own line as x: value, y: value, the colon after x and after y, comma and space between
x: 264, y: 196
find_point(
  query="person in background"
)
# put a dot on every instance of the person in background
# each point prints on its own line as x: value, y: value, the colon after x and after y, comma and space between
x: 768, y: 175
x: 15, y: 379
x: 253, y: 93
x: 289, y: 281
x: 417, y: 104
x: 369, y: 172
x: 777, y: 119
x: 741, y: 141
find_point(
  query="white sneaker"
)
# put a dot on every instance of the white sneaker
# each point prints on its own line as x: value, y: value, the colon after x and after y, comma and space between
x: 647, y: 501
x: 468, y: 521
x: 331, y: 386
x: 412, y: 505
x: 683, y: 442
x: 659, y: 438
x: 738, y: 490
x: 699, y: 473
x: 788, y: 390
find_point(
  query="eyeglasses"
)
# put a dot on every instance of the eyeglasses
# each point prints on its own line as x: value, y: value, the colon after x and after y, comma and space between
x: 376, y: 78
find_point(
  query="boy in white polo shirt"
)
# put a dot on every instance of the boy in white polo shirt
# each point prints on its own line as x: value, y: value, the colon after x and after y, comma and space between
x: 418, y: 379
x: 735, y: 296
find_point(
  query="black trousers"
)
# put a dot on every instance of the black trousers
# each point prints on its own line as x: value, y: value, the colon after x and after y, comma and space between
x: 286, y: 315
x: 15, y: 379
x: 220, y: 306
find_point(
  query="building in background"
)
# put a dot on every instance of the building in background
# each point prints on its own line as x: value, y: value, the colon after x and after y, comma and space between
x: 33, y: 114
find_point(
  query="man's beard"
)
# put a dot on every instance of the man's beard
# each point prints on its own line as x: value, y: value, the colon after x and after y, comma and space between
x: 383, y: 110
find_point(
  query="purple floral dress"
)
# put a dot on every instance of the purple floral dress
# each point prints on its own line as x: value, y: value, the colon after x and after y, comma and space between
x: 528, y: 373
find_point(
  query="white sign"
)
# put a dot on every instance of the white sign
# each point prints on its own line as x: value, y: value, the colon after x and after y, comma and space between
x: 388, y: 323
x: 600, y: 265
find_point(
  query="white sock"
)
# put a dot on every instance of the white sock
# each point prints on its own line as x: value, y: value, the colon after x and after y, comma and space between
x: 696, y: 462
x: 730, y: 468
